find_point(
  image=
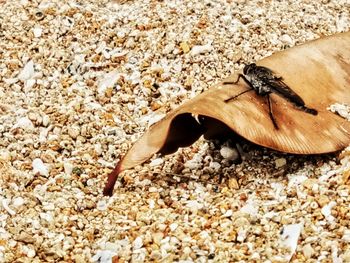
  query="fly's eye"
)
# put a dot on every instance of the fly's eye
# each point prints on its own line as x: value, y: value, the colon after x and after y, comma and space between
x: 245, y: 69
x: 248, y: 68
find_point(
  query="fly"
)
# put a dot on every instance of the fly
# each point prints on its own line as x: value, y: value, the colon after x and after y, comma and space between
x: 263, y: 81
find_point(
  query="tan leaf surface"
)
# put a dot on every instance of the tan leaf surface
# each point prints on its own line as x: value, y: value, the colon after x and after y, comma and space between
x: 318, y: 71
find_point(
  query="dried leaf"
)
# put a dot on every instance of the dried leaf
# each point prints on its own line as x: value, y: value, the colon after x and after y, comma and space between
x: 318, y: 71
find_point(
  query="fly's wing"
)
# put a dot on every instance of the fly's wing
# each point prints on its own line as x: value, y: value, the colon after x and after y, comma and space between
x: 263, y: 73
x: 282, y: 89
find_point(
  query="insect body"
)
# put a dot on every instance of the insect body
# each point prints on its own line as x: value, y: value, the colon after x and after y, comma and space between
x: 263, y: 81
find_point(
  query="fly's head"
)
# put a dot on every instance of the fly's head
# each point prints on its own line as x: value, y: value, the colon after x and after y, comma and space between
x: 249, y: 69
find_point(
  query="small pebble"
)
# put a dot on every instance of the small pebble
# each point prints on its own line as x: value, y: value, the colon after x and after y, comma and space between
x: 102, y: 205
x: 308, y: 251
x: 229, y: 153
x: 156, y: 162
x: 73, y: 132
x: 107, y: 81
x: 27, y: 72
x: 233, y: 184
x: 37, y: 32
x: 46, y: 120
x: 327, y: 210
x: 197, y: 50
x: 280, y: 162
x: 18, y: 201
x: 286, y: 39
x: 68, y: 167
x: 173, y: 226
x: 157, y: 237
x: 40, y: 167
x: 215, y: 165
x: 83, y: 80
x: 24, y: 123
x: 138, y: 243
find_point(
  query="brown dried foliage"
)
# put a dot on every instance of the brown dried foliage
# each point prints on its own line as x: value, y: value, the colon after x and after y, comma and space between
x: 319, y: 71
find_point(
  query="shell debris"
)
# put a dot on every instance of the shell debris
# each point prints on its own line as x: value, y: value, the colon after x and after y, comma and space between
x: 81, y: 81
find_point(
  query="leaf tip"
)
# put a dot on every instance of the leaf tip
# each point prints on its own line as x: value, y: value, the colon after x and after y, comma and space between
x: 112, y: 178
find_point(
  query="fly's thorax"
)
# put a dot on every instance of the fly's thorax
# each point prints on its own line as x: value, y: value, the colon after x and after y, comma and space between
x: 264, y: 90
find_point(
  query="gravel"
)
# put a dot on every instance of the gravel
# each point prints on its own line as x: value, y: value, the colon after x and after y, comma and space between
x: 80, y: 81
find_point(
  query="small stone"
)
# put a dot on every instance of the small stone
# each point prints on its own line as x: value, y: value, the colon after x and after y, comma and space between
x: 322, y: 200
x: 73, y: 131
x: 256, y: 256
x: 79, y: 259
x: 27, y: 72
x: 37, y: 32
x: 194, y: 205
x: 40, y: 167
x: 77, y: 170
x: 241, y: 222
x: 107, y: 81
x: 89, y: 204
x: 102, y: 205
x: 18, y: 201
x: 25, y: 238
x: 156, y: 162
x: 233, y: 184
x: 173, y: 226
x: 287, y: 40
x: 157, y: 238
x: 241, y: 235
x: 5, y: 203
x: 138, y: 243
x: 280, y: 162
x: 33, y: 116
x: 185, y: 47
x: 130, y: 43
x: 342, y: 23
x: 155, y: 105
x: 346, y: 176
x: 24, y: 123
x: 327, y: 210
x: 29, y: 251
x: 109, y: 92
x: 98, y: 149
x: 129, y: 180
x: 341, y: 109
x: 197, y: 50
x: 187, y: 250
x: 46, y: 120
x: 192, y: 164
x: 229, y: 153
x: 228, y: 213
x: 308, y: 251
x: 309, y: 183
x: 68, y: 167
x: 346, y: 255
x: 103, y: 256
x: 215, y: 165
x: 5, y: 155
x: 346, y: 235
x: 49, y: 206
x: 169, y: 48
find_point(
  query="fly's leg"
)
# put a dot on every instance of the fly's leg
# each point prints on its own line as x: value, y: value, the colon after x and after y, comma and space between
x: 271, y: 113
x: 239, y: 94
x: 235, y: 82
